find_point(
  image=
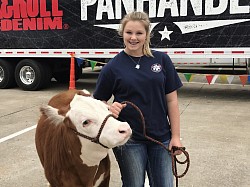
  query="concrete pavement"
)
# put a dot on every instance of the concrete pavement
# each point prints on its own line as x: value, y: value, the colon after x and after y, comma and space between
x: 214, y: 128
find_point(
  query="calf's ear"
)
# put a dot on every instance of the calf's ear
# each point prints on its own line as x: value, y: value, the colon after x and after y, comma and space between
x: 84, y: 93
x: 52, y: 114
x: 48, y: 110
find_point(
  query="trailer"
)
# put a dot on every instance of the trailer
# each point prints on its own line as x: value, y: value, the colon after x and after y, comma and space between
x: 39, y: 37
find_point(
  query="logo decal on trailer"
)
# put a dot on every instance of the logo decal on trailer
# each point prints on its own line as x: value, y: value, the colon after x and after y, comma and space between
x: 173, y: 9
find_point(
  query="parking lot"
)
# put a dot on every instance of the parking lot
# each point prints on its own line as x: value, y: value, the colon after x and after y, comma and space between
x: 215, y: 129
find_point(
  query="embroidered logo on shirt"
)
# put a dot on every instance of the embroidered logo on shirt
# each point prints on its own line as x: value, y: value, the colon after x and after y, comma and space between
x: 156, y: 68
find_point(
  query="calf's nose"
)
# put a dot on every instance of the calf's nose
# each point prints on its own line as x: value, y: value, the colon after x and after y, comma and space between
x: 125, y: 129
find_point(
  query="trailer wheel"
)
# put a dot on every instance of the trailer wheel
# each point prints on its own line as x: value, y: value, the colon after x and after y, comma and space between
x: 32, y: 75
x: 7, y: 74
x: 63, y: 75
x: 248, y: 66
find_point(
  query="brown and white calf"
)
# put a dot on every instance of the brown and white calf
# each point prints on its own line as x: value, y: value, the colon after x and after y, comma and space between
x: 73, y: 136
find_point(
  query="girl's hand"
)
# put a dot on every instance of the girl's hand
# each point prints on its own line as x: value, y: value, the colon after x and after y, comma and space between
x: 175, y: 141
x: 115, y: 108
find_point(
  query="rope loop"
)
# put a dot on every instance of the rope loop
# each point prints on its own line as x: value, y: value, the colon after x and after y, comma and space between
x: 175, y: 160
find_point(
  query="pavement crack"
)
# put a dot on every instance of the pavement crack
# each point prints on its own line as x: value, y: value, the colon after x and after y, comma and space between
x: 15, y: 112
x: 191, y: 101
x: 185, y: 108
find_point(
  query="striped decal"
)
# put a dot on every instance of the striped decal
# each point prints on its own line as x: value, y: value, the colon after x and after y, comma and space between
x: 106, y: 52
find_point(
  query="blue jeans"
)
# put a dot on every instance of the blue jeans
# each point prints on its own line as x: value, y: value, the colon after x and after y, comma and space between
x: 136, y: 158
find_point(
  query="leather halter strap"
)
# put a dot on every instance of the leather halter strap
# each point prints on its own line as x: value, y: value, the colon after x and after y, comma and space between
x: 95, y: 139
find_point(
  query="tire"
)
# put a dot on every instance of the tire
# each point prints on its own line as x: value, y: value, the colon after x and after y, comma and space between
x: 32, y: 75
x: 248, y: 66
x: 63, y: 75
x: 7, y: 74
x: 48, y: 75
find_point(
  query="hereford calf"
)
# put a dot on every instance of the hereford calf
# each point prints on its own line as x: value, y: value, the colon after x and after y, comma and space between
x: 73, y: 136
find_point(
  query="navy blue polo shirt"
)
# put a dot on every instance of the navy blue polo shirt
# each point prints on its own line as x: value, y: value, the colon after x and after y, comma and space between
x: 145, y: 87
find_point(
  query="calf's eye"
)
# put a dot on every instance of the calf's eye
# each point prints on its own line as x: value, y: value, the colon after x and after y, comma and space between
x: 85, y: 123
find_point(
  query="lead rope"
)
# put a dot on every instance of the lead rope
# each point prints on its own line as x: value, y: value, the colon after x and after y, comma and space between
x: 175, y: 161
x: 174, y: 148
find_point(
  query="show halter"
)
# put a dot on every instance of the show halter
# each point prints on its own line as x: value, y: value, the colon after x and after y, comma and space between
x: 95, y: 139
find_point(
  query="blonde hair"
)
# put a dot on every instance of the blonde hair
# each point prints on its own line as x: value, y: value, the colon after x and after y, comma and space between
x: 142, y: 17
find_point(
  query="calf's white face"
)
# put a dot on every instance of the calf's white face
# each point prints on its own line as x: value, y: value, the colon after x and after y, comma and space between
x: 87, y: 114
